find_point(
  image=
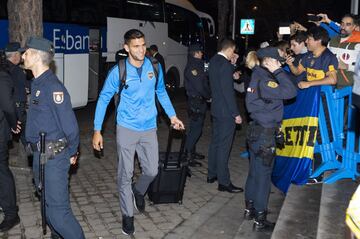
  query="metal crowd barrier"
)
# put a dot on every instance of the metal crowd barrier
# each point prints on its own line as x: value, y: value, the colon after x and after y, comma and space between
x: 339, y: 152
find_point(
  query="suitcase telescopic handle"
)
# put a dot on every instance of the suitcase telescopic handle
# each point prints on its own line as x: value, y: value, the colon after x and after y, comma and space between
x: 169, y: 145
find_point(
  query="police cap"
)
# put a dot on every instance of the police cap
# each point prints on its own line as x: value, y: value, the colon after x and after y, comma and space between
x: 40, y: 43
x: 271, y: 52
x: 13, y: 47
x: 195, y: 47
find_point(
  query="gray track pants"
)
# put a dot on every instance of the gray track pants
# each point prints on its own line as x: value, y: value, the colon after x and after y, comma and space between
x: 146, y: 145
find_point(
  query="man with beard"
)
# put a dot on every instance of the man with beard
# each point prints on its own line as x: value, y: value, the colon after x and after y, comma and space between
x: 346, y: 49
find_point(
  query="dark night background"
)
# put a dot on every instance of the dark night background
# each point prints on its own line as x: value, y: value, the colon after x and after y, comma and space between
x: 269, y: 13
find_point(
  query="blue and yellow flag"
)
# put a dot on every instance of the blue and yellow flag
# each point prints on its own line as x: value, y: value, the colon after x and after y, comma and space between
x: 300, y: 125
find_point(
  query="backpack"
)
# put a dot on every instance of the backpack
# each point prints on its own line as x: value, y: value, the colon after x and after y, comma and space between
x: 122, y: 78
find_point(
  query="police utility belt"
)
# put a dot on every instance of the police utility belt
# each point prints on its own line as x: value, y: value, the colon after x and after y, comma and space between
x: 276, y: 131
x: 52, y: 148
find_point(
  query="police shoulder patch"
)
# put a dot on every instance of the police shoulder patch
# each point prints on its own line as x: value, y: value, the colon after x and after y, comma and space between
x: 272, y: 84
x: 194, y: 72
x: 58, y: 97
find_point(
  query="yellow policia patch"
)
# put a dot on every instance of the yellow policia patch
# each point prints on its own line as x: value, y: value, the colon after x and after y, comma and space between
x: 272, y: 84
x: 300, y: 136
x: 194, y: 72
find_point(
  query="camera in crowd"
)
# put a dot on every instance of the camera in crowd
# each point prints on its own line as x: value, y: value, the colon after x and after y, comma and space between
x: 314, y: 18
x: 290, y: 52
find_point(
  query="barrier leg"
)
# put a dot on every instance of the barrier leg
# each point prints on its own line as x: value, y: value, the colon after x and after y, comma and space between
x: 350, y: 158
x: 326, y: 148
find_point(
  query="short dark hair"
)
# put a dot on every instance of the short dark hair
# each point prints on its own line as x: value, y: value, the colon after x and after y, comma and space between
x: 353, y: 17
x: 154, y: 48
x: 282, y: 45
x: 226, y: 43
x: 299, y: 37
x: 132, y: 34
x: 319, y: 33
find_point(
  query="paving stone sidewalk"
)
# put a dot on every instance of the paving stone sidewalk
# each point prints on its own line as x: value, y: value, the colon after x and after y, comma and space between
x: 205, y: 212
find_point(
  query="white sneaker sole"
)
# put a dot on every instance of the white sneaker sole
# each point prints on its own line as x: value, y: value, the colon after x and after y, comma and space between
x: 127, y: 233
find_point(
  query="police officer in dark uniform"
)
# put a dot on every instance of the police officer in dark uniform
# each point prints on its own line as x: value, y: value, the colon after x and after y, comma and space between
x: 8, y: 123
x: 198, y: 91
x: 269, y: 86
x: 50, y: 111
x: 13, y: 55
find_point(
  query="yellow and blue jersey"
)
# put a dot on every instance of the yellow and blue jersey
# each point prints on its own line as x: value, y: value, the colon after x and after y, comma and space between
x: 317, y: 68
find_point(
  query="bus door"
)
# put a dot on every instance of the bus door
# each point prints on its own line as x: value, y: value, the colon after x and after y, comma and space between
x: 94, y: 63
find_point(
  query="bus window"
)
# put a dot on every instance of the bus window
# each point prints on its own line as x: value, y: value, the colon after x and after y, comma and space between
x: 150, y: 10
x: 54, y: 11
x: 3, y: 9
x: 184, y: 26
x: 84, y: 12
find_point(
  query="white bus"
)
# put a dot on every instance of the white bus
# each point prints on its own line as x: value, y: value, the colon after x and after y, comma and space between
x: 87, y: 33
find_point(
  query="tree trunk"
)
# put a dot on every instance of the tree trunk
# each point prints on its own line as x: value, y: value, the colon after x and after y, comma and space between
x: 223, y: 10
x: 25, y: 19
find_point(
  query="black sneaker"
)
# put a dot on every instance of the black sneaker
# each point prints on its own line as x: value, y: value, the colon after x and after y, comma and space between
x: 139, y: 200
x: 231, y: 188
x: 197, y: 156
x: 128, y: 225
x: 261, y: 224
x: 194, y: 163
x: 249, y: 212
x: 9, y: 223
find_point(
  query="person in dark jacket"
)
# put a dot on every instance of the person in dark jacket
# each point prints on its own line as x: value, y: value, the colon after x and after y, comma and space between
x: 13, y: 54
x: 269, y: 86
x: 198, y: 91
x: 225, y: 113
x: 154, y: 52
x: 8, y: 123
x: 50, y: 111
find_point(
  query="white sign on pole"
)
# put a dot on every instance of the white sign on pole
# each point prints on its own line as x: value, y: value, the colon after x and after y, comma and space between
x: 247, y: 26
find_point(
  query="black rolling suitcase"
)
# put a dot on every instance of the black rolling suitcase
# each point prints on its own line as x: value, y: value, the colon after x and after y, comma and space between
x: 169, y: 184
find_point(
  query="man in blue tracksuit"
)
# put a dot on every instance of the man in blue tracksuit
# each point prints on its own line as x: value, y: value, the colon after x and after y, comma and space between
x: 136, y: 123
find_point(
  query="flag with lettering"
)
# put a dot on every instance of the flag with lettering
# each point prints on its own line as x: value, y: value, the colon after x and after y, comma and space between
x: 300, y: 124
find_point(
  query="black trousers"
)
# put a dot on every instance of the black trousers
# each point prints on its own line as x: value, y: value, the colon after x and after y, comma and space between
x: 223, y: 130
x: 21, y: 115
x: 196, y: 112
x: 261, y: 142
x: 7, y: 184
